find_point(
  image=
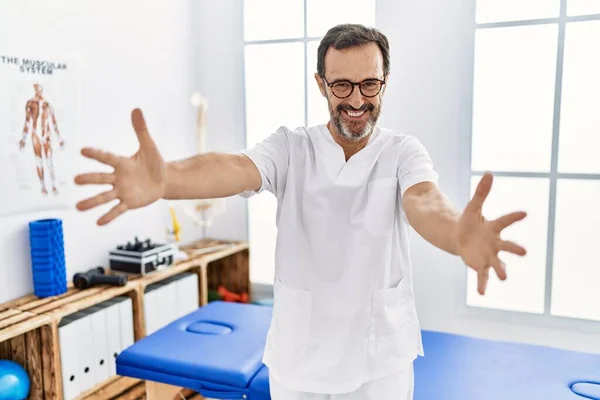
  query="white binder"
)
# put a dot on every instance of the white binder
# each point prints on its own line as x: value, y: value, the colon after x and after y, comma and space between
x: 151, y: 309
x: 187, y: 294
x: 167, y: 304
x: 113, y: 335
x: 69, y: 358
x: 100, y: 340
x: 85, y: 345
x: 126, y: 322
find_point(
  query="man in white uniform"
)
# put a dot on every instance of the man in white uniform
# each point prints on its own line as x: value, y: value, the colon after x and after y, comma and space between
x: 344, y: 321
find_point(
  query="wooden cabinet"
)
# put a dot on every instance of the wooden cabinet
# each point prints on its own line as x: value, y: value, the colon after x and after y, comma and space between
x: 29, y: 325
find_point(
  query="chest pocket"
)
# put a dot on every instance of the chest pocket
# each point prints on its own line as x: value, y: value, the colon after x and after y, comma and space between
x: 382, y: 195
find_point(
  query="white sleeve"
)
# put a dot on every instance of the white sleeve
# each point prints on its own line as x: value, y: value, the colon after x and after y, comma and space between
x: 271, y: 157
x: 414, y: 165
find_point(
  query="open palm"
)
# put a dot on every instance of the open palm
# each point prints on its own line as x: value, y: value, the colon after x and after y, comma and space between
x: 136, y: 181
x: 479, y: 239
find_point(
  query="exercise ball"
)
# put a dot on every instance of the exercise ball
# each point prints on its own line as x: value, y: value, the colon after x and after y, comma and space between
x: 14, y: 381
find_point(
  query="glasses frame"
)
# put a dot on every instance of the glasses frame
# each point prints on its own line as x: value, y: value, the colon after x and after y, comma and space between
x: 359, y: 84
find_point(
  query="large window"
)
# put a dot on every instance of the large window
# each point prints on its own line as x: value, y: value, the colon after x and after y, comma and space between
x: 281, y: 41
x: 536, y: 126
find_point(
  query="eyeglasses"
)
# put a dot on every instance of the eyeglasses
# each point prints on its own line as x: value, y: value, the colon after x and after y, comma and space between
x: 344, y: 88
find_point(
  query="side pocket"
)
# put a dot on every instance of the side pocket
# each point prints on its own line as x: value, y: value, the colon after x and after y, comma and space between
x: 292, y: 310
x: 393, y: 322
x: 382, y: 195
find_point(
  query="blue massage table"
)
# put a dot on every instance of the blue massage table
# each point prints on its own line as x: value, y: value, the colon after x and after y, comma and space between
x: 459, y: 367
x: 217, y: 351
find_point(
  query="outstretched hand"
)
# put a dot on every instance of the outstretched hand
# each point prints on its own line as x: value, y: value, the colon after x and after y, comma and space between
x: 136, y: 181
x: 479, y: 240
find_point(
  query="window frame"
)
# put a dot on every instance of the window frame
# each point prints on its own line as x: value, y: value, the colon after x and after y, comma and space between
x: 305, y: 40
x: 546, y: 319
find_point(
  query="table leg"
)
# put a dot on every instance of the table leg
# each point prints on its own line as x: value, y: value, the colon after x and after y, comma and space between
x: 204, y: 285
x: 161, y: 391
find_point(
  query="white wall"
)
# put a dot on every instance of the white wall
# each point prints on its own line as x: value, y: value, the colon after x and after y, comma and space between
x: 135, y: 53
x: 428, y: 96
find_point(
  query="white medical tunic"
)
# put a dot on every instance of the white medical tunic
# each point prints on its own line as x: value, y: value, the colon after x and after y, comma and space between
x: 344, y: 310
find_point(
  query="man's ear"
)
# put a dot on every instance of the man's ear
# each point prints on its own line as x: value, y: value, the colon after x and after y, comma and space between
x: 321, y: 84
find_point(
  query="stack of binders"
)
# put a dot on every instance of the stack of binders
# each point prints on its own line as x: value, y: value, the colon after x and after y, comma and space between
x: 47, y: 257
x: 170, y: 299
x: 90, y: 341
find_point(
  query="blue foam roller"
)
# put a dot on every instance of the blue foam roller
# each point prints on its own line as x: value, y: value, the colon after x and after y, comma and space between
x: 41, y: 233
x: 47, y: 247
x: 49, y: 285
x: 45, y: 223
x: 47, y: 257
x: 57, y: 282
x: 53, y: 289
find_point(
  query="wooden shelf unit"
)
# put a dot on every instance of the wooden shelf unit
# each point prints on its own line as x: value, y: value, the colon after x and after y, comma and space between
x: 29, y: 325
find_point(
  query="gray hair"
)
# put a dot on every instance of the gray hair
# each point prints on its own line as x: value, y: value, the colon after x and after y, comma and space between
x: 350, y: 35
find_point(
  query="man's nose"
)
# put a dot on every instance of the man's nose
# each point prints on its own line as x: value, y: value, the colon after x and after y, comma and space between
x: 356, y: 99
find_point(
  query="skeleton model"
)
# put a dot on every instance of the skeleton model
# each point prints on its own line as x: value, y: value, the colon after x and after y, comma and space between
x: 41, y: 120
x: 203, y: 211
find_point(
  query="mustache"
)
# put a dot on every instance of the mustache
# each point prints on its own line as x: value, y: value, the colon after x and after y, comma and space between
x: 365, y: 107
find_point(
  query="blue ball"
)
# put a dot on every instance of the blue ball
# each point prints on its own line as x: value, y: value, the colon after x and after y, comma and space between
x: 14, y: 381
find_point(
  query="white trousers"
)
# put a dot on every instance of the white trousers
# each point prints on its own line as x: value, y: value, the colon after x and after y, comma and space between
x: 399, y: 386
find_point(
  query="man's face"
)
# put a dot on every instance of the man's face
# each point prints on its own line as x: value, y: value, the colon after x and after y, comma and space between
x: 356, y: 115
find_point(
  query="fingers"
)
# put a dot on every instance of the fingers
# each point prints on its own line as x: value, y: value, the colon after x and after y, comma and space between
x: 483, y: 274
x: 139, y: 124
x: 95, y: 178
x: 499, y: 267
x: 512, y: 247
x: 482, y: 280
x: 97, y: 200
x: 508, y: 219
x: 481, y: 193
x: 101, y: 156
x: 112, y: 214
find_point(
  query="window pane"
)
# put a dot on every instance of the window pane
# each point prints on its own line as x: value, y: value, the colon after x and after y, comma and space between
x: 273, y: 19
x: 318, y: 110
x: 274, y: 88
x: 579, y: 139
x: 323, y: 15
x: 513, y: 98
x: 583, y: 7
x: 524, y: 288
x: 274, y: 97
x: 575, y: 271
x: 515, y: 10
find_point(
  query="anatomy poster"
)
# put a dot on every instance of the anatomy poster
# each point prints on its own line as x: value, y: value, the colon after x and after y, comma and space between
x: 39, y: 133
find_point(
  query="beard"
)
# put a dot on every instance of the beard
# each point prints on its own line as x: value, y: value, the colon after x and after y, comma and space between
x: 354, y: 131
